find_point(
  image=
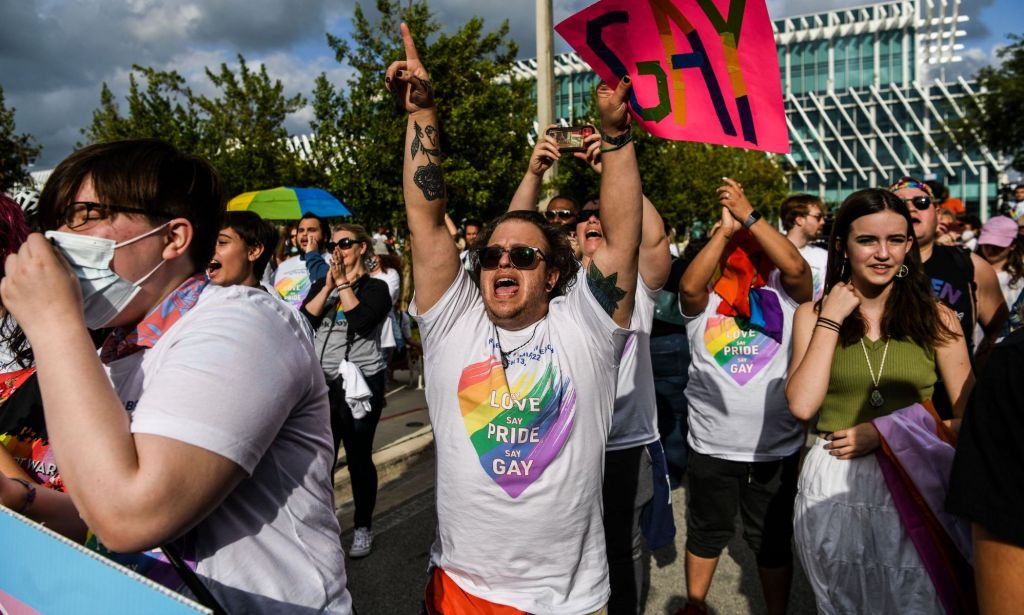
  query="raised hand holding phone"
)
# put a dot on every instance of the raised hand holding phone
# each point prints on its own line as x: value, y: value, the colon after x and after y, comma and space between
x: 545, y: 153
x: 592, y: 155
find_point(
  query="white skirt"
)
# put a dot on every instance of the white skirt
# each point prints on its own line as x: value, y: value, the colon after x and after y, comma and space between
x: 849, y: 538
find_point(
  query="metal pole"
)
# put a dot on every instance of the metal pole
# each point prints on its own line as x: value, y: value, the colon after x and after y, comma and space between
x: 545, y: 76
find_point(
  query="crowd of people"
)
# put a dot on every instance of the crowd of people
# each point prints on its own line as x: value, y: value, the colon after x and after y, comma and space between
x: 178, y: 383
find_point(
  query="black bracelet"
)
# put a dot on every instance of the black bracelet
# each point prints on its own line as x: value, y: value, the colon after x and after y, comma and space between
x: 829, y: 321
x: 825, y: 325
x: 620, y: 140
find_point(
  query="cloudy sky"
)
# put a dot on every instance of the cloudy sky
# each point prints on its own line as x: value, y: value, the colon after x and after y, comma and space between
x: 54, y: 54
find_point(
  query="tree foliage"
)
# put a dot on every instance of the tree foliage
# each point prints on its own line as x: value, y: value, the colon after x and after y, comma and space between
x: 483, y: 122
x: 16, y: 151
x: 680, y: 178
x: 240, y: 130
x: 996, y: 122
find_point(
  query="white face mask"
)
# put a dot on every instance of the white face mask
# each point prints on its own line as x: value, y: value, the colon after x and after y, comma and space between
x: 967, y: 235
x: 104, y: 293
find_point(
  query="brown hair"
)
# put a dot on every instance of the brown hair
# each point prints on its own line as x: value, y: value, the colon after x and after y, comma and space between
x: 798, y: 205
x: 146, y: 174
x: 560, y: 258
x: 911, y: 312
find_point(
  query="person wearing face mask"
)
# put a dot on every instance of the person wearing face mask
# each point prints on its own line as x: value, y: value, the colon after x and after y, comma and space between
x: 202, y: 425
x: 348, y: 309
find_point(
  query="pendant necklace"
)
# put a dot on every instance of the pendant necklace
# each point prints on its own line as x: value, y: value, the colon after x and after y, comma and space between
x: 504, y: 355
x: 876, y: 400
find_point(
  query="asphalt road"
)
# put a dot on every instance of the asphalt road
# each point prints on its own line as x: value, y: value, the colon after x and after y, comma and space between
x: 391, y: 580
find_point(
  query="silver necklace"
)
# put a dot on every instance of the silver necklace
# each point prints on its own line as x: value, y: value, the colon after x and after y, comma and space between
x: 504, y: 355
x: 876, y: 399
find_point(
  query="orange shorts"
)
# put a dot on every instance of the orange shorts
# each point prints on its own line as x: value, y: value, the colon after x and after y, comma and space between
x: 444, y: 597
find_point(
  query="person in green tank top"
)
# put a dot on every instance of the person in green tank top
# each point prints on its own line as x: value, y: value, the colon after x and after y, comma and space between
x: 874, y: 344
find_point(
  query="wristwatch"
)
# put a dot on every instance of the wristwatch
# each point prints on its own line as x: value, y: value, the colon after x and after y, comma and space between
x: 620, y: 140
x: 751, y: 219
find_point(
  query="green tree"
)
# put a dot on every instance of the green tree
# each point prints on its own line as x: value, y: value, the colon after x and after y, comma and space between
x: 996, y: 122
x: 245, y: 133
x: 240, y: 130
x: 163, y: 109
x: 680, y: 178
x: 16, y: 151
x: 484, y: 115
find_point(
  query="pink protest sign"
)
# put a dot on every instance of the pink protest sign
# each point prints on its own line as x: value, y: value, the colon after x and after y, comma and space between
x: 702, y: 70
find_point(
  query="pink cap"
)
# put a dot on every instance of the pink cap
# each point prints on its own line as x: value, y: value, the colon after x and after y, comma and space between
x: 999, y: 231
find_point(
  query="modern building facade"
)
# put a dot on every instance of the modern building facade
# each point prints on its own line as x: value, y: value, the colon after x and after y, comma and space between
x: 866, y: 96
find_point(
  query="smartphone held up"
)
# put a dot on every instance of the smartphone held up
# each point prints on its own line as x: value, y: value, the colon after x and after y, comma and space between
x: 570, y: 139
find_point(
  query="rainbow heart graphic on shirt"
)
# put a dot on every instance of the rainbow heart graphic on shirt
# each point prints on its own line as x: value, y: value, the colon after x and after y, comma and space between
x: 516, y: 431
x: 742, y: 354
x: 293, y: 289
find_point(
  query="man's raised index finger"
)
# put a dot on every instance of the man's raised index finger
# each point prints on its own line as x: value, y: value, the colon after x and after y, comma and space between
x: 410, y: 46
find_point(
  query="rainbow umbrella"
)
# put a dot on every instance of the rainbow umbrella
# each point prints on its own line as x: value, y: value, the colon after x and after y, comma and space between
x: 289, y: 203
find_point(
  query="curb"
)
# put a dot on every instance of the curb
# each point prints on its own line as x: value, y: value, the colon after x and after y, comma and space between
x: 391, y: 460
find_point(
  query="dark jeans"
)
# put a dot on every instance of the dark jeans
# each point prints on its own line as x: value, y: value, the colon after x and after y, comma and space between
x: 670, y: 358
x: 628, y: 486
x: 357, y: 437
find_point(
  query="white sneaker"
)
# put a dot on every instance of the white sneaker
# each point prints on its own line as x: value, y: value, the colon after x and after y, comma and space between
x: 362, y: 542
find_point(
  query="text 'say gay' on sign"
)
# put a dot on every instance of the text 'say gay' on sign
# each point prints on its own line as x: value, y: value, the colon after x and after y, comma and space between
x: 702, y: 70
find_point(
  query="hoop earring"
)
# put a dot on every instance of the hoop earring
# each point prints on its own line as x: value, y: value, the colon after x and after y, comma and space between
x: 903, y: 272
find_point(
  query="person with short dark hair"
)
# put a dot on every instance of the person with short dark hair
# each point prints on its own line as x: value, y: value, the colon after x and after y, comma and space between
x: 201, y: 426
x: 803, y: 217
x: 298, y: 273
x: 244, y: 247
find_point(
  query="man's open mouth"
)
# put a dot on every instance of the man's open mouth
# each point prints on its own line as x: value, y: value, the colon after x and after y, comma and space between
x: 505, y: 287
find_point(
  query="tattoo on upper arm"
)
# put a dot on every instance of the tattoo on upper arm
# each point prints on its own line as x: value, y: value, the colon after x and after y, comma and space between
x: 428, y: 177
x: 604, y: 289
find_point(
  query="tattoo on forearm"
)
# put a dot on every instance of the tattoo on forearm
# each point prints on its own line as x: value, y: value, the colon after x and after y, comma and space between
x: 428, y: 177
x: 604, y: 288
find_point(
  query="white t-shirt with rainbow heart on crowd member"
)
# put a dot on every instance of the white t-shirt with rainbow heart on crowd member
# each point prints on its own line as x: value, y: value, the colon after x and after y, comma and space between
x: 520, y: 451
x: 737, y: 387
x: 817, y: 259
x: 291, y: 280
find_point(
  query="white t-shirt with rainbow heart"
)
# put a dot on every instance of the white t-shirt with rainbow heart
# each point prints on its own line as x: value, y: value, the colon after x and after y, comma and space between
x: 520, y: 451
x: 737, y: 387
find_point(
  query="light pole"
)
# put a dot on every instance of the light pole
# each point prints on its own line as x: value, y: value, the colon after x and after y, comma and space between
x: 545, y: 76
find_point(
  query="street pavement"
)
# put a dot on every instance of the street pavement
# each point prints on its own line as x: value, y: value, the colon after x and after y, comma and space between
x: 391, y: 579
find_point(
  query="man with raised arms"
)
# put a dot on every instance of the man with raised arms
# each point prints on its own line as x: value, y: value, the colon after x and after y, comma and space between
x: 522, y: 377
x: 633, y: 444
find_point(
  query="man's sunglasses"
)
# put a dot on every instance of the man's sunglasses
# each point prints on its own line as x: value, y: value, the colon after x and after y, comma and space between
x: 344, y: 243
x: 559, y: 214
x: 521, y: 257
x: 920, y: 203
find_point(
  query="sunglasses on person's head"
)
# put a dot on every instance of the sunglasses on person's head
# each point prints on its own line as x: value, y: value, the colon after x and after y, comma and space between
x: 920, y: 203
x: 344, y: 243
x: 559, y: 214
x: 521, y: 257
